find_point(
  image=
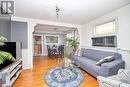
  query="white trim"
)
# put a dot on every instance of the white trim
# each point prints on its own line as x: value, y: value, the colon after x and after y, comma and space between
x: 38, y: 21
x: 24, y: 68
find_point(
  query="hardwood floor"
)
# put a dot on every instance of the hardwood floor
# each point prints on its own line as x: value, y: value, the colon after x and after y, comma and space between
x: 35, y: 77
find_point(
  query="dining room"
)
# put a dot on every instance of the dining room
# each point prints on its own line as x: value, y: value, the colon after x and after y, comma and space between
x: 50, y: 40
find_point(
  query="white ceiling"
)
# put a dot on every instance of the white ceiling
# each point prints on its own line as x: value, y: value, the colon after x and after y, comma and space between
x: 51, y: 28
x: 72, y: 11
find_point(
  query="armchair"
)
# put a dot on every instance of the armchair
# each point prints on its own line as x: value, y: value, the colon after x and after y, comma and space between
x: 122, y: 79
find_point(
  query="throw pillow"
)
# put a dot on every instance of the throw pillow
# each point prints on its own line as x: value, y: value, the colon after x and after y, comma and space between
x: 104, y: 60
x: 78, y: 52
x: 124, y: 75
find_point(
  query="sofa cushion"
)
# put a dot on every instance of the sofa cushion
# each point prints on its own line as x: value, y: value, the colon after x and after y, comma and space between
x: 97, y: 54
x: 88, y: 63
x: 104, y: 60
x: 75, y: 57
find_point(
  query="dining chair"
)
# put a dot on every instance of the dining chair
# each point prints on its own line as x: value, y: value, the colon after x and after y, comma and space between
x: 50, y: 54
x: 61, y: 50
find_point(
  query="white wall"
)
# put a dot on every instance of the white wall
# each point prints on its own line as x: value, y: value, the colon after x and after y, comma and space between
x: 122, y: 17
x: 124, y: 28
x: 62, y: 39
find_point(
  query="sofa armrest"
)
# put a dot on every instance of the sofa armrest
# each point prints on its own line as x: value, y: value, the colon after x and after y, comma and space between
x: 111, y: 68
x: 124, y: 85
x: 107, y: 82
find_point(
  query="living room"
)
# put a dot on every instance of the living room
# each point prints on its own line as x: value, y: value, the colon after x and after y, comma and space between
x: 98, y: 59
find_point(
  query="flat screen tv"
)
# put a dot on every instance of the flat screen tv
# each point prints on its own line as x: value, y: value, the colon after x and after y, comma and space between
x: 14, y: 48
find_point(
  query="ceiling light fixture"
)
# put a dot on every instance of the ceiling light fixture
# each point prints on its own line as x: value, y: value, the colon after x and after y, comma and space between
x: 55, y: 28
x: 57, y: 11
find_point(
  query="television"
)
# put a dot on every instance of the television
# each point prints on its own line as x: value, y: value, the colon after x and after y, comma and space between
x: 15, y: 49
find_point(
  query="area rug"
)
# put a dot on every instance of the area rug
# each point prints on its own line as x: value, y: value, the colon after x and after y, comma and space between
x: 66, y: 77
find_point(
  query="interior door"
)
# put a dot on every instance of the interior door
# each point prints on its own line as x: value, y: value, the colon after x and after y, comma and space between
x: 37, y: 45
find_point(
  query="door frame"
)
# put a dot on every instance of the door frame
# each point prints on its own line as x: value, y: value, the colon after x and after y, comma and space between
x: 42, y: 42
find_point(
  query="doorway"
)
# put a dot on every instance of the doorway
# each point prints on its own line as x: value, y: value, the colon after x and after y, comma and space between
x: 38, y: 45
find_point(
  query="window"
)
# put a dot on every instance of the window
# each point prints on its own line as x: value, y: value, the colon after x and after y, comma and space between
x: 105, y: 28
x: 105, y: 41
x: 70, y: 34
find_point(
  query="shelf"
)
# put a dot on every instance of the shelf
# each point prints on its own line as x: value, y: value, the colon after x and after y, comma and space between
x: 13, y: 79
x: 15, y: 71
x: 12, y: 73
x: 15, y: 65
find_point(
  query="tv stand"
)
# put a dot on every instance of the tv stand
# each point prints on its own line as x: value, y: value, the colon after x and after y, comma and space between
x: 11, y: 73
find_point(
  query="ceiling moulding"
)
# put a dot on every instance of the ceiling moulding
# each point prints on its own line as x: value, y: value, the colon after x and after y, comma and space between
x: 37, y: 21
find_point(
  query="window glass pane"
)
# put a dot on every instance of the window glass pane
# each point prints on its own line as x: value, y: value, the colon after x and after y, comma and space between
x: 105, y: 28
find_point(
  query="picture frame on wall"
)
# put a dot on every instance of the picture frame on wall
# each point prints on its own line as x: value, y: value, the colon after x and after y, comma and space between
x: 51, y: 39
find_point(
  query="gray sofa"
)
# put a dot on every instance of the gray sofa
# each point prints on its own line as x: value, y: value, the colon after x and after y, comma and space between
x: 88, y: 60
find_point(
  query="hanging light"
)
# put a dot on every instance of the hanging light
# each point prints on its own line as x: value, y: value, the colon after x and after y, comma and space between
x: 57, y: 11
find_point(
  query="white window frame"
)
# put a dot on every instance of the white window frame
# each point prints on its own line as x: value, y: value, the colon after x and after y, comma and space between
x: 106, y: 34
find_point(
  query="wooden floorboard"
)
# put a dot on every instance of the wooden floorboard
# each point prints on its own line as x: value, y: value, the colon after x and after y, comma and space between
x: 35, y: 77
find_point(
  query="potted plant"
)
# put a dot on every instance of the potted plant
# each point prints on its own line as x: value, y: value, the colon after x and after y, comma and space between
x: 3, y: 54
x: 66, y: 54
x: 73, y: 43
x: 68, y: 62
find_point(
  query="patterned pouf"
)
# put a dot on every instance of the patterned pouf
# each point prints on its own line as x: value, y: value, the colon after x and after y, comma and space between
x: 66, y: 77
